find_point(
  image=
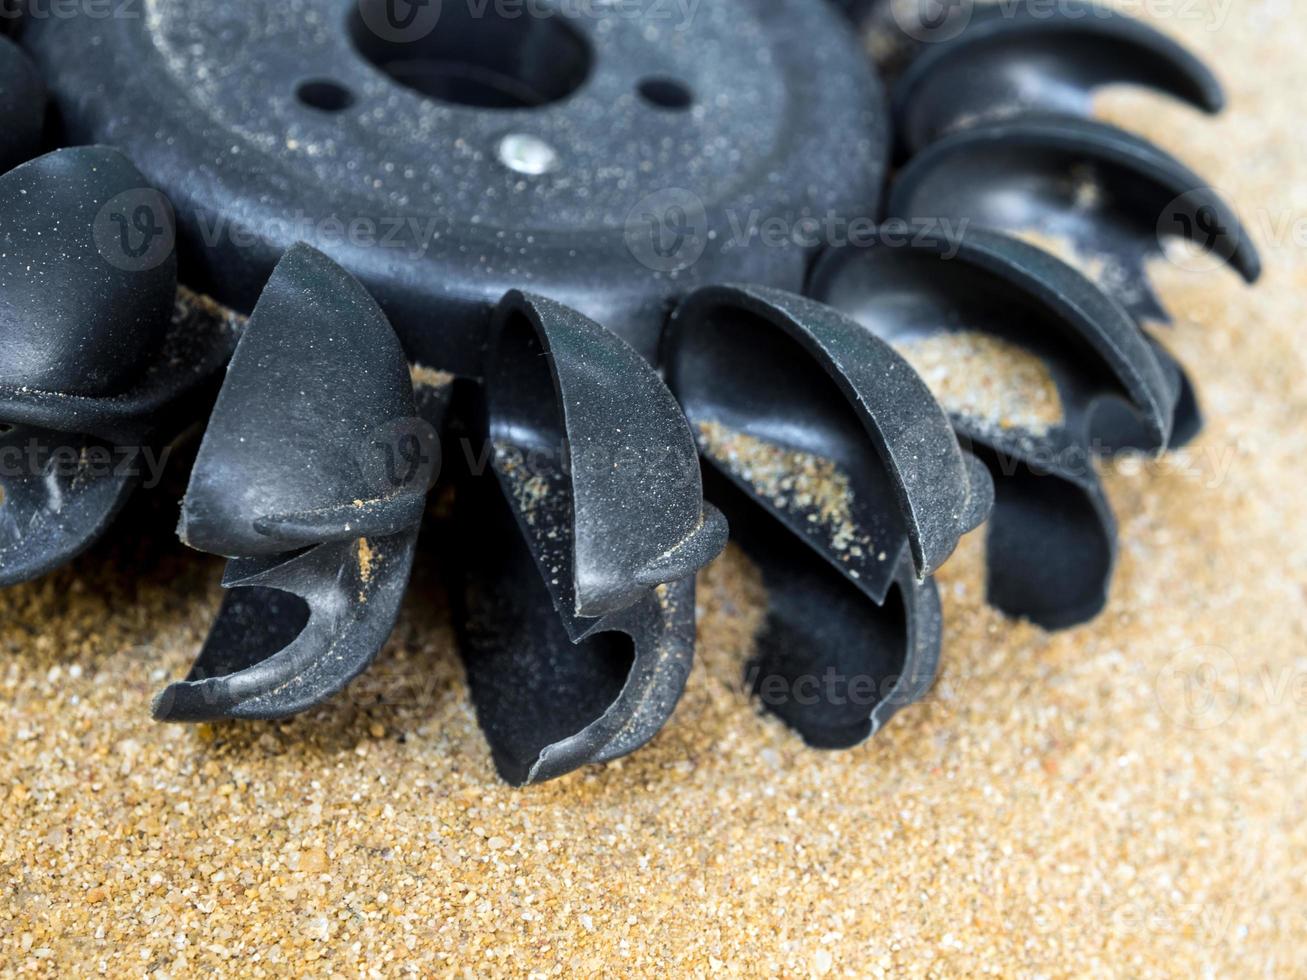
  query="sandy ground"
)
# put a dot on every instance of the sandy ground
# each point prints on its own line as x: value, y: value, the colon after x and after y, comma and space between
x: 1122, y: 798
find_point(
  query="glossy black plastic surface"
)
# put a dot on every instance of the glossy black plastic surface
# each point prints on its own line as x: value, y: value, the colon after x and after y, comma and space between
x: 292, y: 483
x: 603, y: 156
x: 582, y: 523
x: 844, y: 483
x: 1051, y: 539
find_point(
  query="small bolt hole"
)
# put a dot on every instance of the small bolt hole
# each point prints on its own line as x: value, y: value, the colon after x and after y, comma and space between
x: 325, y: 96
x: 665, y: 93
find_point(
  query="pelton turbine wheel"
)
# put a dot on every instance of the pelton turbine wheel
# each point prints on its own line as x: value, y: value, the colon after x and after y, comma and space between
x: 550, y: 236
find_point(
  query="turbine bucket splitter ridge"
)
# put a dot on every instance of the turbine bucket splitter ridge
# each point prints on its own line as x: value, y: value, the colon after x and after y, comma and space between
x: 545, y: 238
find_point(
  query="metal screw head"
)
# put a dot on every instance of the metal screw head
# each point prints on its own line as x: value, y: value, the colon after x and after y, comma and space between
x: 527, y: 154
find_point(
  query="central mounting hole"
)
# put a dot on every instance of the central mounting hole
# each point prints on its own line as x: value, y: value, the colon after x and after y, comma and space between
x: 474, y: 55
